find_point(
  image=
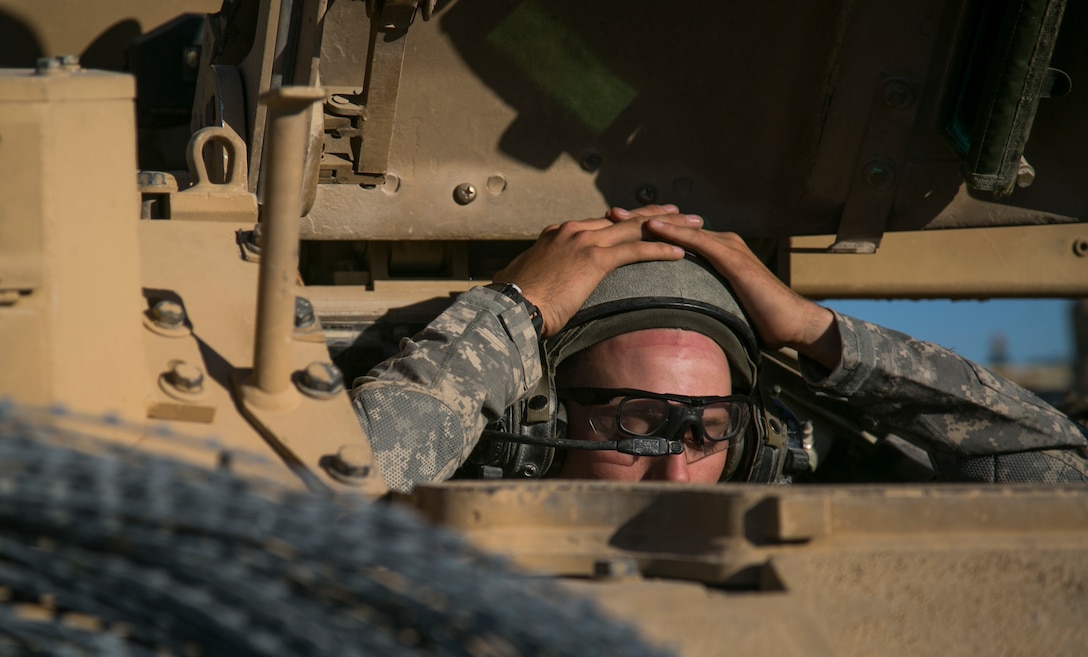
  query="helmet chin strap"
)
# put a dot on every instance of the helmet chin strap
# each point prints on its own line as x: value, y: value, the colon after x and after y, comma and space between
x: 648, y: 446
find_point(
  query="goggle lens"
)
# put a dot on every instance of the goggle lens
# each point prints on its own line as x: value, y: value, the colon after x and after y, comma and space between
x: 706, y: 425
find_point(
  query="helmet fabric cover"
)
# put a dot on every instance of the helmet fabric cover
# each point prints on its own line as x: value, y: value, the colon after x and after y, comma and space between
x: 680, y: 294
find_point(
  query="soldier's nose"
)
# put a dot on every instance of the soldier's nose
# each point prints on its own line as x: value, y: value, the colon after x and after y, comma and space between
x: 669, y: 468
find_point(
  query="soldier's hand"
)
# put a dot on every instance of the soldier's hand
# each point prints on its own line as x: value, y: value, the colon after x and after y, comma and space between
x: 563, y: 267
x: 780, y: 316
x: 622, y: 214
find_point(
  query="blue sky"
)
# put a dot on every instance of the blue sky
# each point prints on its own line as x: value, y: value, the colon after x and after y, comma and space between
x: 1036, y: 330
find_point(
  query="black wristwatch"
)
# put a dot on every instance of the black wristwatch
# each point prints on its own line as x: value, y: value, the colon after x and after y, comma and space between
x: 513, y: 292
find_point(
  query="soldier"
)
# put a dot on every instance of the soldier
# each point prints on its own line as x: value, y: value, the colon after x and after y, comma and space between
x: 424, y: 410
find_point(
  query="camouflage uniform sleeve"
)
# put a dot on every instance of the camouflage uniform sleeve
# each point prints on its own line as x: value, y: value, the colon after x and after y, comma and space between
x: 423, y: 410
x: 976, y: 425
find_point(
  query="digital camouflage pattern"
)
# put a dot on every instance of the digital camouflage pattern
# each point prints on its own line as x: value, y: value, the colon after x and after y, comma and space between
x: 423, y: 410
x: 976, y: 425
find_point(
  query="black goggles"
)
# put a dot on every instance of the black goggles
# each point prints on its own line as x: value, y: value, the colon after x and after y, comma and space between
x: 716, y: 423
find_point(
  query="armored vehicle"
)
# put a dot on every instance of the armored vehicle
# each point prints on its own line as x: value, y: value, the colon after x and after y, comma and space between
x: 215, y: 214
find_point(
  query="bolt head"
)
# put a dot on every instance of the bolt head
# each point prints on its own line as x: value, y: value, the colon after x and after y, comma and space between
x: 256, y: 236
x: 615, y: 568
x: 898, y: 94
x: 351, y: 462
x: 646, y: 194
x: 168, y: 313
x: 590, y: 161
x: 464, y: 194
x: 186, y: 377
x: 304, y: 313
x: 47, y: 65
x: 191, y: 56
x: 151, y: 179
x: 322, y: 379
x: 1025, y: 175
x: 528, y: 470
x: 879, y: 175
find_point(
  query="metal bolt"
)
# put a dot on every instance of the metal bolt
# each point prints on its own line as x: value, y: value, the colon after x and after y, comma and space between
x: 191, y: 56
x: 528, y: 470
x: 168, y: 314
x: 464, y: 194
x: 69, y: 62
x: 615, y: 568
x: 304, y: 313
x: 255, y: 236
x: 47, y: 66
x: 591, y: 161
x: 898, y: 94
x: 151, y: 179
x: 340, y: 100
x: 321, y: 380
x: 646, y: 194
x: 1080, y: 247
x: 350, y: 462
x: 186, y: 377
x: 879, y: 175
x: 808, y: 435
x: 1025, y: 173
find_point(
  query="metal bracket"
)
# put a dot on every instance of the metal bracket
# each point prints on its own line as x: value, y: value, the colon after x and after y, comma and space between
x: 879, y: 166
x: 1007, y: 261
x: 229, y: 201
x: 220, y: 102
x: 359, y: 125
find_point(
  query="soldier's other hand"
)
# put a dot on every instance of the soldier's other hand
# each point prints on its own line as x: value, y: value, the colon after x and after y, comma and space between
x: 780, y: 316
x: 567, y: 262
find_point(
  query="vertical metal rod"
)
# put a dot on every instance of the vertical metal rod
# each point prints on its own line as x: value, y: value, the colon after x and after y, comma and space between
x: 287, y: 129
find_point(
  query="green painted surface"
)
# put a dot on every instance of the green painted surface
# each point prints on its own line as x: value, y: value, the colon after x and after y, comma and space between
x: 562, y: 65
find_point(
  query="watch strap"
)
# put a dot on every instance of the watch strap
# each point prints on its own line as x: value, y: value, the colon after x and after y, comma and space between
x: 513, y: 292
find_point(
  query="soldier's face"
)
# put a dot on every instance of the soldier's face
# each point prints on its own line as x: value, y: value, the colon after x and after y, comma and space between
x: 665, y: 361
